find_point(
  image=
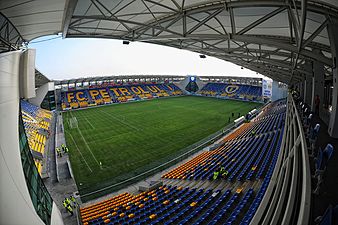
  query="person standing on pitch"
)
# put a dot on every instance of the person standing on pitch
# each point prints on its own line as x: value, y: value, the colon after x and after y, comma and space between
x: 58, y: 151
x: 66, y: 149
x: 73, y: 201
x: 63, y: 147
x: 67, y: 206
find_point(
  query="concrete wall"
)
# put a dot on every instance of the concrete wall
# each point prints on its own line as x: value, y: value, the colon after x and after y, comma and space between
x: 41, y: 93
x: 27, y: 74
x: 200, y: 83
x: 186, y: 81
x: 15, y: 202
x: 278, y: 92
x: 333, y: 124
x: 56, y: 216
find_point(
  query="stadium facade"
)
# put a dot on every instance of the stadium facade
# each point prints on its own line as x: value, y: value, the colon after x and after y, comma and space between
x: 293, y: 42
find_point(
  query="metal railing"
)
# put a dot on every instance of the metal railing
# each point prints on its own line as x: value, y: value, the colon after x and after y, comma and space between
x: 288, y: 196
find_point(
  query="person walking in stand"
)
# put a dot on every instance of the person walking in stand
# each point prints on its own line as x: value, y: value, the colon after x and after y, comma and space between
x: 216, y: 173
x: 223, y: 172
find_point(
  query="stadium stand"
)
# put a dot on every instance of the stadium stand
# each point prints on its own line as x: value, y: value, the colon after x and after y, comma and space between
x: 249, y: 139
x: 232, y: 91
x: 37, y: 123
x: 295, y: 43
x: 248, y: 157
x: 320, y: 157
x: 170, y: 205
x: 116, y: 94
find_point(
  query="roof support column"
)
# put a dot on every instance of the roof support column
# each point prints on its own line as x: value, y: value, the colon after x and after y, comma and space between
x: 333, y: 36
x: 308, y: 83
x: 317, y: 85
x: 300, y: 87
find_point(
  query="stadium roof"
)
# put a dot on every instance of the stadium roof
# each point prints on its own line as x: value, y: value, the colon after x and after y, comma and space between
x: 150, y: 77
x: 40, y: 79
x: 115, y: 78
x: 31, y: 19
x: 272, y: 37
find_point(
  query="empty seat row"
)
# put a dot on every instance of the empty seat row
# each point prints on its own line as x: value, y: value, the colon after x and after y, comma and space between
x: 74, y: 99
x: 251, y: 157
x: 242, y: 156
x: 37, y: 124
x: 234, y: 91
x: 175, y: 205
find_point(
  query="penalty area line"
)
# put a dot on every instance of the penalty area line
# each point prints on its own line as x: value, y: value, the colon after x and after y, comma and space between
x: 89, y: 123
x: 80, y: 151
x: 87, y: 145
x: 125, y: 123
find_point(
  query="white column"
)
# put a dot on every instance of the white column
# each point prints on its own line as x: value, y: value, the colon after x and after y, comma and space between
x: 333, y: 36
x: 16, y: 205
x: 41, y: 93
x: 301, y: 88
x: 308, y: 83
x: 318, y: 84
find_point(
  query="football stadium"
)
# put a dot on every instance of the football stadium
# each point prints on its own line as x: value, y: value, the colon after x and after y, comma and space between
x: 172, y: 149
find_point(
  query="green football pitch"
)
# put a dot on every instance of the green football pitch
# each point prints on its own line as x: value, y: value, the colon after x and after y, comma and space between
x: 112, y: 143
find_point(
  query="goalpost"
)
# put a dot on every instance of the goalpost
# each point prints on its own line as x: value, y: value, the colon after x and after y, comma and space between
x: 73, y: 122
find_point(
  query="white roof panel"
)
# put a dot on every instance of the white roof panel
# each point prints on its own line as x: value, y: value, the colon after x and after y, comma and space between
x: 248, y: 29
x: 34, y: 18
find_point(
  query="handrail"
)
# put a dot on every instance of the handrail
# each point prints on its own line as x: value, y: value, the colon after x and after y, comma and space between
x: 288, y: 196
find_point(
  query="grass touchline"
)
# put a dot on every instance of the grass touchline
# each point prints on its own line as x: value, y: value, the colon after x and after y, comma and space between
x: 132, y: 138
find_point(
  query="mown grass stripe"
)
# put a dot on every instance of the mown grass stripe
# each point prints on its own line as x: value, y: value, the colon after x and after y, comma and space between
x: 164, y: 127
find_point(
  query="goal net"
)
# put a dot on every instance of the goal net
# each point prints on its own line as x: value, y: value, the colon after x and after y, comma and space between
x: 73, y: 122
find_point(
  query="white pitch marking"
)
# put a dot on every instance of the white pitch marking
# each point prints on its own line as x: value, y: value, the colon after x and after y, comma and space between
x: 87, y: 145
x: 80, y: 152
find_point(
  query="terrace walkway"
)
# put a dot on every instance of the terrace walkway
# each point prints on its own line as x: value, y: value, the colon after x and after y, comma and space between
x: 328, y: 192
x: 59, y: 184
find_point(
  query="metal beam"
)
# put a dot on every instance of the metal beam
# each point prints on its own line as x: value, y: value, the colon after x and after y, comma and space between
x: 67, y: 16
x: 261, y: 20
x: 10, y: 38
x: 277, y: 42
x: 158, y: 30
x: 232, y: 21
x: 315, y: 33
x: 301, y: 29
x: 206, y: 19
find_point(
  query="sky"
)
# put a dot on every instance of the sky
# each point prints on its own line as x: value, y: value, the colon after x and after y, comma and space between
x: 68, y: 58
